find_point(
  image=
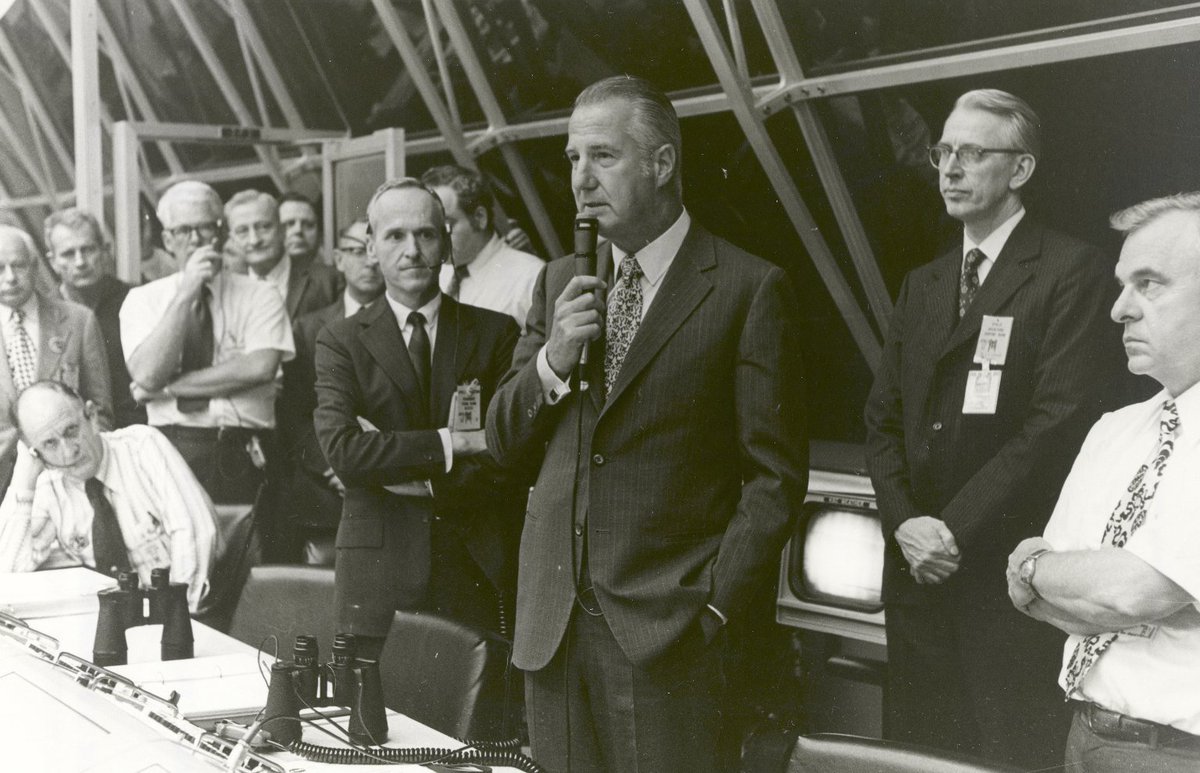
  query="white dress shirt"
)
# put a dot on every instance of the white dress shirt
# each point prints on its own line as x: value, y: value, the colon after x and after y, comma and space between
x: 166, y: 518
x: 1150, y: 672
x: 278, y: 277
x: 500, y: 278
x: 248, y: 316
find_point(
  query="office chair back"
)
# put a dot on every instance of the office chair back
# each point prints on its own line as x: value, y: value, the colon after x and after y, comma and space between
x: 286, y: 600
x: 450, y: 676
x: 835, y: 753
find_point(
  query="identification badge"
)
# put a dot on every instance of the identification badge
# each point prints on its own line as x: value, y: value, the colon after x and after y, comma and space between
x: 983, y: 391
x: 466, y: 407
x: 994, y: 334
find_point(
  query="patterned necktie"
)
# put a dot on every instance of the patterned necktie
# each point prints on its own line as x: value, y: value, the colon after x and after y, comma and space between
x: 197, y: 347
x: 968, y: 284
x: 108, y: 547
x: 419, y: 350
x: 460, y: 275
x: 22, y: 361
x: 624, y: 317
x: 1128, y: 516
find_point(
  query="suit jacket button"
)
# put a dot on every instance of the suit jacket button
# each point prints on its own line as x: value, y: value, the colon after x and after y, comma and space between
x: 530, y: 413
x: 578, y: 530
x: 937, y: 426
x: 598, y: 459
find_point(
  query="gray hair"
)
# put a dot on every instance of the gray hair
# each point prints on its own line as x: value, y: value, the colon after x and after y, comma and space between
x: 357, y: 221
x: 251, y: 196
x: 1133, y: 218
x: 25, y: 239
x: 75, y: 220
x: 655, y: 122
x: 188, y: 190
x: 1024, y: 126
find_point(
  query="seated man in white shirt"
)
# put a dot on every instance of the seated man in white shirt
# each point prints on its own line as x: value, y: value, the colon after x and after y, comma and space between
x: 110, y: 500
x: 1119, y: 566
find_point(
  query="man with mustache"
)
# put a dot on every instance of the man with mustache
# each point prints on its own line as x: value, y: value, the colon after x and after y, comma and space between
x: 991, y: 374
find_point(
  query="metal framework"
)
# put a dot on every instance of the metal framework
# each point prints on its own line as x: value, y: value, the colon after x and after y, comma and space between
x: 862, y: 300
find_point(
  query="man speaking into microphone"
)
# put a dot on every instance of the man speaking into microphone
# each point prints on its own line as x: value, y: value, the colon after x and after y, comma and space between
x: 667, y: 485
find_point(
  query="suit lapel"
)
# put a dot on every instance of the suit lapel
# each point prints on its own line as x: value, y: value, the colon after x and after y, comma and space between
x: 456, y: 339
x: 53, y: 337
x: 297, y: 285
x: 683, y: 288
x: 8, y: 390
x: 1014, y: 266
x: 381, y: 336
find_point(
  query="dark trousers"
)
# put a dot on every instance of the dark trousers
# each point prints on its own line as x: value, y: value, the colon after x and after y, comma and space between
x: 238, y: 465
x: 975, y: 680
x: 590, y: 710
x: 1089, y: 752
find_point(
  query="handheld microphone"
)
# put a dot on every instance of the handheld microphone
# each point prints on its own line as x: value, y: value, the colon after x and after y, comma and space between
x: 586, y: 232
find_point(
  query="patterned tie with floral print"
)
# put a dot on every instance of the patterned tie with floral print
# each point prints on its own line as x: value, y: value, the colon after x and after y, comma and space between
x: 1127, y: 518
x: 624, y: 317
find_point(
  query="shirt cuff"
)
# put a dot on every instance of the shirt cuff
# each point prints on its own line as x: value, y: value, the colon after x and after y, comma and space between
x: 554, y: 388
x: 447, y: 447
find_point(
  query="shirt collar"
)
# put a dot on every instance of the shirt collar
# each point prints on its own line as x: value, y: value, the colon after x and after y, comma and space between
x: 279, y: 274
x: 430, y: 310
x: 1188, y: 405
x: 994, y: 243
x: 106, y: 455
x: 350, y: 306
x: 655, y: 258
x: 30, y: 307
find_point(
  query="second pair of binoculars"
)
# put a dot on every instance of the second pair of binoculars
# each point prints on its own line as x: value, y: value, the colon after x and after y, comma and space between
x: 346, y: 681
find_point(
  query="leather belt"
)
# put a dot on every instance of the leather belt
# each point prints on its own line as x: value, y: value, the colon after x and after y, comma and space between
x: 1119, y: 727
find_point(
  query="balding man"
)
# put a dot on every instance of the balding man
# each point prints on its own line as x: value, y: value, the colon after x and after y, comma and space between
x: 254, y: 228
x: 44, y: 337
x: 203, y: 347
x: 109, y: 500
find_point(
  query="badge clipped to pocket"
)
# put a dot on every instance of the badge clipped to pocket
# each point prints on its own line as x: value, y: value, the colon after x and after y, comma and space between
x: 983, y: 391
x: 466, y: 407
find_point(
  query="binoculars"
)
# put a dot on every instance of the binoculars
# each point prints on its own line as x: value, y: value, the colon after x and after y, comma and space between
x: 127, y: 605
x: 345, y: 681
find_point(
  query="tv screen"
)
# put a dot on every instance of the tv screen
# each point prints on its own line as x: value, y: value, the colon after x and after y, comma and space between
x: 837, y: 557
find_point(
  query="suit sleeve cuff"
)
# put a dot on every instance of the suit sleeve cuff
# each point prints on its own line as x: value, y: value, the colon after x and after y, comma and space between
x: 447, y: 447
x: 554, y: 388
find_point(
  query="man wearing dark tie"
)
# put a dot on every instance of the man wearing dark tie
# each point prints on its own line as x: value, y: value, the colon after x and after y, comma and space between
x: 667, y: 487
x: 994, y: 366
x: 429, y: 522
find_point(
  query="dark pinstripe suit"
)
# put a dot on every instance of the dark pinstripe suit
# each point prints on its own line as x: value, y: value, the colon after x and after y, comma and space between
x: 689, y: 474
x: 993, y: 479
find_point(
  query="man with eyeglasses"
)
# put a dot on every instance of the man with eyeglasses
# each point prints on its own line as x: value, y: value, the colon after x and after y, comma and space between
x: 315, y: 490
x: 258, y: 235
x: 203, y: 347
x: 79, y: 253
x: 995, y: 365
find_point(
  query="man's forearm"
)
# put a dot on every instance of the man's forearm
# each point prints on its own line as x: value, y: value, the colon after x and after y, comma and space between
x: 157, y: 358
x: 1107, y: 589
x: 229, y: 377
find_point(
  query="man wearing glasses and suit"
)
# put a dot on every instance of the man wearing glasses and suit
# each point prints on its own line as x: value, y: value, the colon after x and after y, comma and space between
x: 991, y: 374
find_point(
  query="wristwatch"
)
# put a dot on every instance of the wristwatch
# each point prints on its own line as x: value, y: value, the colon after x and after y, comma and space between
x: 1029, y: 568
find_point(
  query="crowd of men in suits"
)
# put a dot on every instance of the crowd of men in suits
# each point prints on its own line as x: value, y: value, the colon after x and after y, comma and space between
x: 605, y: 468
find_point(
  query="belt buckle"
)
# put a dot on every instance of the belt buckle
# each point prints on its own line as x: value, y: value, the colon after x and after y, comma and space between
x: 588, y: 601
x: 1118, y: 727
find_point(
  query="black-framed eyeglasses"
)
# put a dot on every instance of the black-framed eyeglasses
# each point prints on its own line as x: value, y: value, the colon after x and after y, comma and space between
x: 968, y: 155
x: 205, y: 231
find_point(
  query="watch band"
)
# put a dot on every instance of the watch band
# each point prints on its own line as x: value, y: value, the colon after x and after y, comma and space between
x: 1027, y: 576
